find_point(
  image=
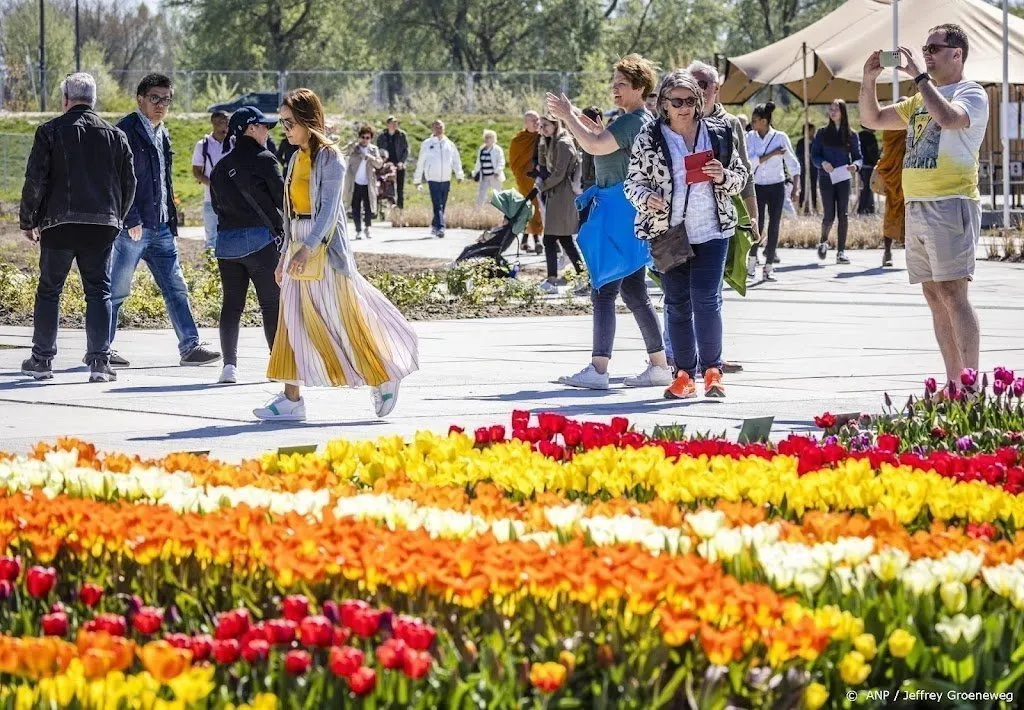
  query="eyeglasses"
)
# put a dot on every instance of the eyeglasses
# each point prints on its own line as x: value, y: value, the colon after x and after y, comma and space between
x: 159, y: 100
x: 689, y: 101
x: 288, y: 123
x: 365, y: 135
x: 703, y: 84
x: 934, y: 48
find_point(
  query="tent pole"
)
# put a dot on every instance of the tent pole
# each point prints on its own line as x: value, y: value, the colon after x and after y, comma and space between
x: 1004, y: 118
x: 806, y: 177
x: 895, y: 46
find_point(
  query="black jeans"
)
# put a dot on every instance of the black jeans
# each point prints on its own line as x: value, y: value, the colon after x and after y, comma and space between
x: 551, y: 253
x: 866, y: 204
x: 235, y: 275
x: 634, y: 295
x: 361, y: 200
x: 54, y: 266
x: 835, y: 200
x: 400, y: 189
x: 770, y: 199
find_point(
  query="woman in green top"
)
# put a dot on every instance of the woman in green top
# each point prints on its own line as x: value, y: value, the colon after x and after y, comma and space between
x: 633, y: 80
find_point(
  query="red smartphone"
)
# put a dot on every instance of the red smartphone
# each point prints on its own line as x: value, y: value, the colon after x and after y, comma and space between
x: 693, y: 164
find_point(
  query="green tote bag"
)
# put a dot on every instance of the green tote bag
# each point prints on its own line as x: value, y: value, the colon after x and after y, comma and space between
x: 739, y: 247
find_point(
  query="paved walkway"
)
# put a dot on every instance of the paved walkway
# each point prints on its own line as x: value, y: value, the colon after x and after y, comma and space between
x: 822, y: 338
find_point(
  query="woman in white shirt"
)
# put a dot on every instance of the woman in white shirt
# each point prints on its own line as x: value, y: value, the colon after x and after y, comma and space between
x: 489, y: 170
x: 770, y: 154
x: 363, y: 158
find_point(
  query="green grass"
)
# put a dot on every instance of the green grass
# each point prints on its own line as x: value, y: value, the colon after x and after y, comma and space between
x: 185, y: 132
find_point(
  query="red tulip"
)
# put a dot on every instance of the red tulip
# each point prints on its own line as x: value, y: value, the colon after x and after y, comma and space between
x: 281, y: 632
x: 888, y: 442
x: 341, y: 636
x: 90, y: 594
x: 316, y: 631
x: 40, y: 580
x: 520, y: 419
x: 349, y: 609
x: 55, y: 624
x: 201, y: 647
x: 332, y: 611
x: 345, y: 660
x: 179, y: 640
x: 232, y: 624
x: 295, y: 608
x: 825, y: 421
x: 415, y: 633
x: 363, y: 681
x: 366, y: 622
x: 572, y: 434
x: 10, y: 568
x: 255, y: 651
x: 416, y: 664
x: 148, y: 620
x: 257, y: 632
x: 226, y: 651
x: 390, y: 653
x: 297, y: 662
x: 455, y: 430
x: 497, y: 433
x: 620, y: 425
x: 113, y: 624
x: 482, y: 436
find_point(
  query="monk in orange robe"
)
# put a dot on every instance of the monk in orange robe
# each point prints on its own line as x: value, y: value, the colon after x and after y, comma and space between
x: 890, y: 171
x: 522, y: 153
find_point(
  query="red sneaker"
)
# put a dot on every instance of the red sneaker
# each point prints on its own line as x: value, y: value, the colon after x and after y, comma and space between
x: 713, y: 386
x: 682, y: 388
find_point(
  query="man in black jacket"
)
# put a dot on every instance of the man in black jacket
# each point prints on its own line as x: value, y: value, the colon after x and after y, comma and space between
x: 79, y: 185
x: 396, y: 143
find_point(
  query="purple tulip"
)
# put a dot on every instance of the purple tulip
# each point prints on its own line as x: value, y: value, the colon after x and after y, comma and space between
x: 831, y: 440
x: 1018, y: 387
x: 931, y: 386
x: 964, y: 443
x: 1001, y: 374
x: 968, y: 377
x: 998, y: 387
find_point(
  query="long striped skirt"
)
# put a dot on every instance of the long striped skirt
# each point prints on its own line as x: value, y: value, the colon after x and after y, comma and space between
x: 339, y: 331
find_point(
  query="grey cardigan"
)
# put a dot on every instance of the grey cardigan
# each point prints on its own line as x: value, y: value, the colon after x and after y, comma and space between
x: 326, y: 182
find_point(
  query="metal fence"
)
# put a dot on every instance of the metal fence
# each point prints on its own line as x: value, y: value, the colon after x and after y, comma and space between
x: 347, y: 92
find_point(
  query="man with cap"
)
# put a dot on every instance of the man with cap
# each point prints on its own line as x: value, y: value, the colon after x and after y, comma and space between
x: 207, y: 152
x: 395, y: 143
x: 152, y: 223
x: 247, y: 193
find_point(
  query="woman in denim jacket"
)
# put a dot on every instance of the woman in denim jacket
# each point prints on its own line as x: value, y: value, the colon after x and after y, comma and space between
x: 335, y: 328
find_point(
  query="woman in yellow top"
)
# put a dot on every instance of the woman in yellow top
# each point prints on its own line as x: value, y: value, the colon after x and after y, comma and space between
x: 334, y: 329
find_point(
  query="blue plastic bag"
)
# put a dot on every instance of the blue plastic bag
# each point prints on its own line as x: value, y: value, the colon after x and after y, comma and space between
x: 607, y: 239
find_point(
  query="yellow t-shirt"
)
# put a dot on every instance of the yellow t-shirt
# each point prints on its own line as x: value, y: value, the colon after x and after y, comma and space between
x: 298, y: 188
x: 941, y: 163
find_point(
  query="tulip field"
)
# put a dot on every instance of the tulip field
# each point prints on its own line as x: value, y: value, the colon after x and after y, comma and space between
x: 541, y: 562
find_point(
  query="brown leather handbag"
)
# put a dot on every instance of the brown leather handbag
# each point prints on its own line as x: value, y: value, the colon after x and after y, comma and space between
x: 672, y: 248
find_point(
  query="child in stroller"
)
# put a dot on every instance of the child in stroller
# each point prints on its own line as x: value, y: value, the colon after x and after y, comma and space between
x: 387, y: 179
x: 517, y: 211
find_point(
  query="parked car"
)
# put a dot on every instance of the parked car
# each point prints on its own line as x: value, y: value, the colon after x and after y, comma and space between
x: 267, y: 102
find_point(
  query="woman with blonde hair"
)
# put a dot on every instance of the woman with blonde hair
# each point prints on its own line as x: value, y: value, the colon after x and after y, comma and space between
x: 489, y: 171
x: 334, y: 328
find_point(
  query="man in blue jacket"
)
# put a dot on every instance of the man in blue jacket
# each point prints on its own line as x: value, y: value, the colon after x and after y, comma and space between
x: 152, y: 223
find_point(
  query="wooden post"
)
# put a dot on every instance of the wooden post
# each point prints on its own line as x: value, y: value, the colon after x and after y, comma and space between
x: 806, y: 177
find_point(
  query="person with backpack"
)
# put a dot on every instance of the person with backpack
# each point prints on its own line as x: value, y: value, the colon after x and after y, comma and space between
x: 247, y: 192
x: 207, y: 153
x: 836, y: 153
x: 687, y: 215
x: 559, y: 196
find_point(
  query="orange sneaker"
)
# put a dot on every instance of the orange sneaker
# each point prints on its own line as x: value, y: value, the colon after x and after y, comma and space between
x: 681, y: 388
x: 713, y: 386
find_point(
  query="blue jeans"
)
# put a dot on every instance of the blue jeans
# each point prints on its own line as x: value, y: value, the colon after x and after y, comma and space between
x: 634, y: 294
x: 438, y: 200
x: 158, y: 250
x: 693, y: 307
x: 210, y: 225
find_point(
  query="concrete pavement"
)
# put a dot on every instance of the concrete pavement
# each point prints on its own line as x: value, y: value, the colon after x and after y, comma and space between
x: 821, y: 338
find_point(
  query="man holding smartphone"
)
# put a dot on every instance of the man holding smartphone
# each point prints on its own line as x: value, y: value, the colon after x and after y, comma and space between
x: 945, y: 124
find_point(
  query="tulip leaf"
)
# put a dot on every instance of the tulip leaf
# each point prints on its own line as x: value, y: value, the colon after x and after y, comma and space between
x: 668, y: 693
x: 569, y: 703
x: 1004, y: 684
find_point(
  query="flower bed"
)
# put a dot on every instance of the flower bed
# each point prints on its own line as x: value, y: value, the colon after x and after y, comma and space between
x: 568, y: 564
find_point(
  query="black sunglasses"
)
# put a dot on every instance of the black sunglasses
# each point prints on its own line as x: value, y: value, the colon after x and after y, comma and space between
x: 365, y: 135
x: 934, y: 48
x: 690, y: 101
x: 159, y: 100
x: 288, y: 123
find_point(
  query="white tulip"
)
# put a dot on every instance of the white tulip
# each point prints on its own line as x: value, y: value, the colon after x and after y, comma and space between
x: 889, y: 563
x: 706, y: 523
x: 959, y: 627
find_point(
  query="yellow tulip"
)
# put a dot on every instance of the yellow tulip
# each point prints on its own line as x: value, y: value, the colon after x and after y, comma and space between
x: 901, y: 643
x: 853, y: 669
x: 815, y: 696
x: 866, y: 646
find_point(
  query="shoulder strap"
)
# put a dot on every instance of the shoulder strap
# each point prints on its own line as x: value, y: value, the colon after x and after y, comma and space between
x: 267, y: 222
x: 206, y: 151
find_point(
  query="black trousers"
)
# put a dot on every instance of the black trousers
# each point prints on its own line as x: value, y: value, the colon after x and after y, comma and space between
x: 54, y: 266
x: 835, y: 201
x: 235, y: 275
x: 770, y: 199
x: 551, y: 253
x: 361, y: 200
x: 866, y: 204
x: 400, y: 189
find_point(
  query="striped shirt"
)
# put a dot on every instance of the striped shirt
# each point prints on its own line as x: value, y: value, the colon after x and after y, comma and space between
x: 486, y: 164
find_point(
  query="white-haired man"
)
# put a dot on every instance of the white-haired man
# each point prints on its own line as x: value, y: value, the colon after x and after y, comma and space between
x: 79, y: 186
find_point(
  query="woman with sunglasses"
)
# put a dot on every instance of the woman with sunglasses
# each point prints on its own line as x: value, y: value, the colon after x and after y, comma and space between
x: 836, y: 153
x: 771, y: 154
x: 364, y: 159
x: 335, y: 329
x: 688, y: 216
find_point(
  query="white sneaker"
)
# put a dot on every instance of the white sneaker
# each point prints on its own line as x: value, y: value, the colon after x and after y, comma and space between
x: 587, y: 378
x: 366, y: 232
x: 229, y: 375
x: 384, y: 398
x: 359, y: 236
x: 548, y: 288
x: 282, y: 409
x: 769, y: 272
x: 751, y: 266
x: 653, y: 376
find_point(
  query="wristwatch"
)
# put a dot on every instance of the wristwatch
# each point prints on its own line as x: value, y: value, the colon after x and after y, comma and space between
x: 921, y: 77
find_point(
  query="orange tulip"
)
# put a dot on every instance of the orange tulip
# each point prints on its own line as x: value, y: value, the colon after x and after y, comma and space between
x: 163, y: 661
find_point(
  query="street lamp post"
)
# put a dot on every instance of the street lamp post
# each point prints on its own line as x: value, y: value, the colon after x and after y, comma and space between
x: 78, y: 42
x: 42, y: 56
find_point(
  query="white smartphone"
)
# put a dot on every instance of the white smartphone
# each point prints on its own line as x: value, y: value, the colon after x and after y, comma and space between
x: 889, y: 59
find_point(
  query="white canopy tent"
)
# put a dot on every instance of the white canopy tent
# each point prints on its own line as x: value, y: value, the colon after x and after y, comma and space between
x: 825, y: 60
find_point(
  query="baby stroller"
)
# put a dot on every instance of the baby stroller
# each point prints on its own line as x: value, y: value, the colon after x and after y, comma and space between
x: 387, y: 180
x: 518, y: 211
